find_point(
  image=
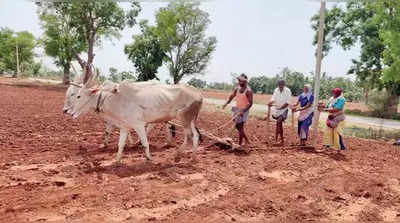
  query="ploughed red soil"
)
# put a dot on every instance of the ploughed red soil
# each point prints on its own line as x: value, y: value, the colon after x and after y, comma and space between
x: 53, y: 168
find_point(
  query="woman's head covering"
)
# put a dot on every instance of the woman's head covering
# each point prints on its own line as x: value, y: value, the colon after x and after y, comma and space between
x: 309, y: 93
x: 309, y: 87
x: 336, y: 92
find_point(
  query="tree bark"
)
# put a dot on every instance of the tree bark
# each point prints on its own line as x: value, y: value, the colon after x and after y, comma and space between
x: 392, y: 101
x: 78, y: 58
x: 66, y: 78
x: 90, y: 57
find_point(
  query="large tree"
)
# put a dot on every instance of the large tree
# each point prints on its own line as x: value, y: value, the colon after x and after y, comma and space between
x: 94, y: 20
x: 61, y: 40
x: 10, y: 43
x: 146, y: 53
x: 388, y: 15
x: 181, y: 29
x: 354, y: 25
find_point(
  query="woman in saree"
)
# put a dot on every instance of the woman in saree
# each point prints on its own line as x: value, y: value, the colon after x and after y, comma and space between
x: 333, y: 135
x: 306, y: 100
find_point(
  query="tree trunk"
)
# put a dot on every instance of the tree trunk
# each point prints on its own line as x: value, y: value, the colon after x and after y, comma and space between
x: 392, y: 101
x: 90, y: 57
x: 66, y: 78
x: 177, y: 77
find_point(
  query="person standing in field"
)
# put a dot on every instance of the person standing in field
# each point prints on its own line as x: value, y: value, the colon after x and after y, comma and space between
x: 281, y: 100
x: 306, y: 100
x: 244, y: 101
x: 333, y: 134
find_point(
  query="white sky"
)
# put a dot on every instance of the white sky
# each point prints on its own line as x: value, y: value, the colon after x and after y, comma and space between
x: 257, y: 37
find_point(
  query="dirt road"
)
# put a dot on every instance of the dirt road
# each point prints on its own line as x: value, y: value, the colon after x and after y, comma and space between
x: 52, y: 168
x: 350, y: 119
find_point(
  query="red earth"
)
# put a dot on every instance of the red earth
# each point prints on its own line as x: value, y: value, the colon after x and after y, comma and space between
x: 53, y: 168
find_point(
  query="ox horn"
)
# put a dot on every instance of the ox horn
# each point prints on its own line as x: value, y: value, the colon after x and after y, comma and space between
x: 73, y: 68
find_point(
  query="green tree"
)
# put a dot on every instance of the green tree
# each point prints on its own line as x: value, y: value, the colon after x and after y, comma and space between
x: 117, y: 77
x: 181, y: 28
x: 60, y: 39
x: 355, y: 25
x: 388, y: 16
x: 10, y: 42
x: 197, y: 83
x: 146, y: 53
x: 94, y: 20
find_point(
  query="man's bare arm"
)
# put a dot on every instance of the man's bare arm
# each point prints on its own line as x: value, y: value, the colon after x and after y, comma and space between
x: 230, y: 98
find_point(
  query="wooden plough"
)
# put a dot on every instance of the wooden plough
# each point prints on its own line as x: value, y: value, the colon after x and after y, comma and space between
x: 227, y: 141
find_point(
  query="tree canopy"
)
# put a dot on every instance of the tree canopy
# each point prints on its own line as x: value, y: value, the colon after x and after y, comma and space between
x: 365, y: 24
x: 181, y: 27
x: 10, y: 41
x: 146, y: 53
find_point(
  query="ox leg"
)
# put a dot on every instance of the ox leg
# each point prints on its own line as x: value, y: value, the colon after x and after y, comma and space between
x: 141, y: 131
x: 169, y: 135
x: 123, y: 133
x: 195, y: 137
x: 148, y: 130
x: 181, y: 148
x: 107, y: 134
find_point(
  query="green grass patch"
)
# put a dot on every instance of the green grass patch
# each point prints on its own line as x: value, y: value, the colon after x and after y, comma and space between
x: 371, y: 133
x: 358, y: 112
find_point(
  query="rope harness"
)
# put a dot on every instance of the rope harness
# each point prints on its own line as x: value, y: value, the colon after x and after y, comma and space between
x: 100, y: 102
x: 212, y: 130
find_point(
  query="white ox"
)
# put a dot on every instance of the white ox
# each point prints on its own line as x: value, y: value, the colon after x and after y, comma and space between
x: 70, y: 100
x: 128, y: 106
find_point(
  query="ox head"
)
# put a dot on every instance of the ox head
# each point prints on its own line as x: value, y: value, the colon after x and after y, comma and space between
x: 70, y: 97
x: 86, y: 98
x: 72, y: 92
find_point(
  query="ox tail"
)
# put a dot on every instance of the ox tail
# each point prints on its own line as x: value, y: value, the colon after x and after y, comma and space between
x: 196, y: 118
x: 200, y: 136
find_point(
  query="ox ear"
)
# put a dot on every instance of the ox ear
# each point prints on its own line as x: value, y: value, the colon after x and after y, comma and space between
x: 93, y: 91
x: 77, y: 78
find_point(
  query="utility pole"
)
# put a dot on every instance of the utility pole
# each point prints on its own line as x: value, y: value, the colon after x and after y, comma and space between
x: 16, y: 47
x: 16, y: 53
x: 318, y: 68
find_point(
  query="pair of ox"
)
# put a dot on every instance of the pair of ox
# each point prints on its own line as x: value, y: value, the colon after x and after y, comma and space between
x: 133, y: 105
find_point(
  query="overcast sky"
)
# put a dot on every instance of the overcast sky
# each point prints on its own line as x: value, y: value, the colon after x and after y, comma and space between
x: 254, y: 36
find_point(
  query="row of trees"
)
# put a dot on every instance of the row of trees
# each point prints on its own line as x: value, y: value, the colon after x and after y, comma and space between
x: 294, y: 80
x: 177, y: 39
x: 73, y: 29
x: 374, y: 26
x: 21, y: 43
